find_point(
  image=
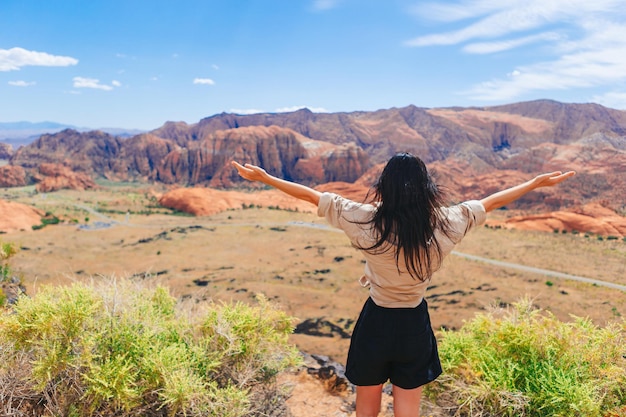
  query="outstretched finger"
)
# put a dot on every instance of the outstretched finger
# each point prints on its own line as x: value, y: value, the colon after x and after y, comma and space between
x: 563, y: 175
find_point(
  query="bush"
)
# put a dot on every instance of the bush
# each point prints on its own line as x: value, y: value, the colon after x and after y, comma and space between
x: 45, y: 221
x: 525, y: 362
x: 7, y: 250
x: 128, y: 351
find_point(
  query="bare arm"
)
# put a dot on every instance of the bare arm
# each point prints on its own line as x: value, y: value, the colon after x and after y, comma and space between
x: 504, y: 197
x: 255, y: 173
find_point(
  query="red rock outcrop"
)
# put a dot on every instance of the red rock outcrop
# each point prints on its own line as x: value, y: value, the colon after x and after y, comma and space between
x: 54, y: 177
x: 16, y: 216
x: 591, y: 218
x: 208, y: 201
x: 12, y: 176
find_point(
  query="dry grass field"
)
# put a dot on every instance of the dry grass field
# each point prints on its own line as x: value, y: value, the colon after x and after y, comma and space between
x: 309, y: 270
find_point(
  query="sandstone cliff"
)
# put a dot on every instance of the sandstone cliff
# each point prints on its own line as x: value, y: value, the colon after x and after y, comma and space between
x: 141, y: 157
x: 280, y: 151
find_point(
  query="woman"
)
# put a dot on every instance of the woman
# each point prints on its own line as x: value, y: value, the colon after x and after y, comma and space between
x: 404, y: 235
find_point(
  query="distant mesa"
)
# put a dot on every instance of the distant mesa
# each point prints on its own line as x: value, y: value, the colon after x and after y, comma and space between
x: 22, y: 133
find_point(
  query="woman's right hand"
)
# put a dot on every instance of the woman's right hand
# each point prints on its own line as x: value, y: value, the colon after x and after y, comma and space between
x: 250, y: 172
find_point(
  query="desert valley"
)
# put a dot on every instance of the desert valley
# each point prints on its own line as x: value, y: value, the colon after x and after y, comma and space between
x: 165, y: 207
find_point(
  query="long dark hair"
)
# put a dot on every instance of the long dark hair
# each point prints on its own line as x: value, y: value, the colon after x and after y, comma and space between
x: 408, y: 215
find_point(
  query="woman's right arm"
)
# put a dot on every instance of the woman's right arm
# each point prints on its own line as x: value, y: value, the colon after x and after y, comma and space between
x: 255, y: 173
x: 504, y: 197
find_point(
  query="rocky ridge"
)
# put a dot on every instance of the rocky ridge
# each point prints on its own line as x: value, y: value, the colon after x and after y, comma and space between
x: 473, y: 151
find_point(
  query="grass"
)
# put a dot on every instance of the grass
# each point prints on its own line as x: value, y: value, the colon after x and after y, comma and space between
x: 525, y: 362
x: 122, y: 349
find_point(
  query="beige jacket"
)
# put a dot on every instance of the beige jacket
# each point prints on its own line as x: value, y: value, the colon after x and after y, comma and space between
x: 388, y: 286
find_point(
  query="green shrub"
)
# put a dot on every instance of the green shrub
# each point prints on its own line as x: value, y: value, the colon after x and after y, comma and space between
x: 125, y: 350
x: 7, y: 250
x: 45, y: 221
x: 525, y: 362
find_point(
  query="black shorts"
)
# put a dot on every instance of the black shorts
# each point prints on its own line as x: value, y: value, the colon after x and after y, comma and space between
x: 395, y: 344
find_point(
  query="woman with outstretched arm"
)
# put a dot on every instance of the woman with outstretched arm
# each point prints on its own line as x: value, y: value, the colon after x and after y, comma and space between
x: 404, y: 233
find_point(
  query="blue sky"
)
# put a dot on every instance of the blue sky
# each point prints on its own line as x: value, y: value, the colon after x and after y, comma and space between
x: 140, y: 63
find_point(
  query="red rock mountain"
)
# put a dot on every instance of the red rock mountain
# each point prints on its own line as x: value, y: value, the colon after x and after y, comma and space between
x: 89, y: 152
x: 472, y: 150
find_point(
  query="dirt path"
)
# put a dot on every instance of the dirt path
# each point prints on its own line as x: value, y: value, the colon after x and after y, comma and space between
x: 545, y: 272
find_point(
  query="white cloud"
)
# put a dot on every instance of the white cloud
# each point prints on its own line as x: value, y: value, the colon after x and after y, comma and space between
x: 296, y: 108
x: 505, y: 45
x: 15, y: 58
x: 504, y: 17
x: 246, y: 111
x: 584, y: 46
x: 580, y: 69
x: 452, y: 12
x: 21, y: 83
x: 613, y: 99
x: 116, y: 83
x: 204, y: 81
x: 215, y: 67
x: 280, y: 110
x: 82, y: 82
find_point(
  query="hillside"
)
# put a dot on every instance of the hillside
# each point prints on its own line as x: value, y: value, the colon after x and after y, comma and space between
x: 473, y: 151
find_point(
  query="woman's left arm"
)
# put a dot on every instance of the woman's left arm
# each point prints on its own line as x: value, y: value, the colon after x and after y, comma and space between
x: 504, y: 197
x: 255, y: 173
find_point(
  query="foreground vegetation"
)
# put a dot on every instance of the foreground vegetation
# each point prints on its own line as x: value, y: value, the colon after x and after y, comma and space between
x: 139, y: 352
x: 122, y: 349
x: 525, y: 362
